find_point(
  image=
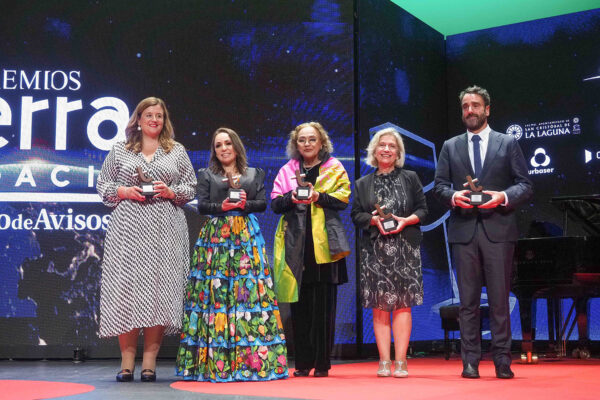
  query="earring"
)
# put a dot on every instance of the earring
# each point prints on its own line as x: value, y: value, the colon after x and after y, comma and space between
x: 139, y: 128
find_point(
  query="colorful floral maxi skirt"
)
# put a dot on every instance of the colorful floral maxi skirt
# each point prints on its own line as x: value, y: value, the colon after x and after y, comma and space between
x: 232, y: 328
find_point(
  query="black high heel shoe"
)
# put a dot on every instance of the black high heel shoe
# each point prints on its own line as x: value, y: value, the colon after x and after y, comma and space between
x: 321, y: 373
x: 125, y: 375
x: 148, y: 377
x: 301, y: 372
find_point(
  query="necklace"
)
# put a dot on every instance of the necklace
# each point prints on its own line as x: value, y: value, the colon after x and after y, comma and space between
x: 306, y: 169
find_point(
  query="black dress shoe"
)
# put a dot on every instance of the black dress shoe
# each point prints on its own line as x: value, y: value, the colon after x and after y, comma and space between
x: 321, y: 373
x: 503, y: 371
x: 125, y: 375
x: 470, y: 371
x: 148, y: 375
x: 301, y: 372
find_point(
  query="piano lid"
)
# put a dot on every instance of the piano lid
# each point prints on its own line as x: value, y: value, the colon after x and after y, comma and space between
x: 594, y: 198
x: 555, y: 260
x: 585, y: 209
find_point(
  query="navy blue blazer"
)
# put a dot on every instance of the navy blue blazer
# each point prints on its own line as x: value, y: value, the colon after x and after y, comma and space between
x: 504, y: 169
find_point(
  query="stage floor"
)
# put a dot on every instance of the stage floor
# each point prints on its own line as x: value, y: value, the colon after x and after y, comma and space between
x: 430, y: 378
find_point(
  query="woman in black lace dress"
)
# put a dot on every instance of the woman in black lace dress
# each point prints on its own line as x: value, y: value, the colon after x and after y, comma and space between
x: 390, y: 261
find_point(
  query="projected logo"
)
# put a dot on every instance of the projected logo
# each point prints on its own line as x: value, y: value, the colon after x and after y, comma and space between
x: 540, y: 162
x: 546, y: 130
x: 515, y: 130
x: 591, y: 155
x: 50, y: 220
x: 31, y: 170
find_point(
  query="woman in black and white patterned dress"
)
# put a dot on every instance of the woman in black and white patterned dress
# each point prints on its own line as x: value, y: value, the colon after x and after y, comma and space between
x: 146, y: 252
x: 391, y: 280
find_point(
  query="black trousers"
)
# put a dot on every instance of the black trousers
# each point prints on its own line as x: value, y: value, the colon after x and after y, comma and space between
x: 475, y: 261
x: 313, y: 322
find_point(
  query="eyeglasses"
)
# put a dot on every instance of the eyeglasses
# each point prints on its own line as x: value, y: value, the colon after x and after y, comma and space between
x: 304, y: 142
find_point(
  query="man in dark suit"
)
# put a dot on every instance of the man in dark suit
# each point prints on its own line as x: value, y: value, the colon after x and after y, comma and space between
x: 482, y: 237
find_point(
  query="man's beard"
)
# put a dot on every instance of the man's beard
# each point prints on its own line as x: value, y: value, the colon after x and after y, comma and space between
x: 475, y: 124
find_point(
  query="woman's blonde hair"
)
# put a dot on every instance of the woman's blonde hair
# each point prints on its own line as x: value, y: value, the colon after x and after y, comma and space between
x: 371, y: 160
x: 241, y: 162
x: 134, y: 135
x: 292, y: 145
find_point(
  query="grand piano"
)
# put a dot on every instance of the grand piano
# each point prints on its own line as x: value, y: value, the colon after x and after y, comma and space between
x: 556, y: 268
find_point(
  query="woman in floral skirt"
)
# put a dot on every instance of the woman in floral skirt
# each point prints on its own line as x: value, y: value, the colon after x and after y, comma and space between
x: 232, y: 328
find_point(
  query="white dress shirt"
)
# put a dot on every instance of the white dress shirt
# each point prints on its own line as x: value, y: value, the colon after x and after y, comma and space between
x: 484, y: 135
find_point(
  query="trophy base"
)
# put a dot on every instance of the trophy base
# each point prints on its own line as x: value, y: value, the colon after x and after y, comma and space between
x: 389, y: 224
x: 148, y: 190
x: 303, y: 193
x: 478, y: 198
x: 234, y: 195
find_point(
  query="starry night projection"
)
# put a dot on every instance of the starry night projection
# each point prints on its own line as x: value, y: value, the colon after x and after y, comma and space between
x: 260, y: 68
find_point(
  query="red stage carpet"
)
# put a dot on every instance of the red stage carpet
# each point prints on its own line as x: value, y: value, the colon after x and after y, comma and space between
x: 31, y: 390
x: 429, y: 379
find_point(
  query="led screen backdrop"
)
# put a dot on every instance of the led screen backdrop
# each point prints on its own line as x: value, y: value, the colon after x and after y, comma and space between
x: 72, y: 72
x: 401, y: 83
x: 544, y: 80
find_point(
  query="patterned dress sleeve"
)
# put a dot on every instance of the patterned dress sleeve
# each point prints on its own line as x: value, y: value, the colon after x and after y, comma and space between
x: 185, y: 187
x: 107, y: 183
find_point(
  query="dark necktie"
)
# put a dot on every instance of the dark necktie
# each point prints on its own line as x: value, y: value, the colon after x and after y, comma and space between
x: 476, y: 155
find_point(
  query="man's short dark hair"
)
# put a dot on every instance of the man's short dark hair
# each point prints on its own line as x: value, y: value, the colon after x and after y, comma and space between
x: 475, y: 90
